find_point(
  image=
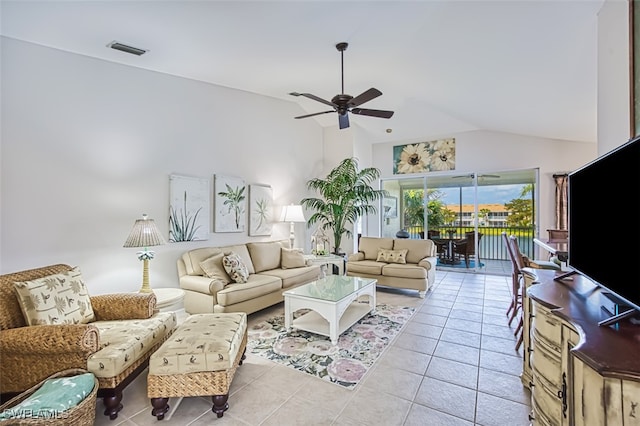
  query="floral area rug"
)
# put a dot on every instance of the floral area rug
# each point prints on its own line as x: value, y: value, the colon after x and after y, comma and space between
x: 345, y: 363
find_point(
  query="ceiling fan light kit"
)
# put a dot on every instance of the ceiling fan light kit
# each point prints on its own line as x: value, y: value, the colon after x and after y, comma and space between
x: 344, y: 104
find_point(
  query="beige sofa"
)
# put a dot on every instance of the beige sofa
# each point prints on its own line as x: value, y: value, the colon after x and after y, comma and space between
x: 267, y: 278
x: 409, y: 263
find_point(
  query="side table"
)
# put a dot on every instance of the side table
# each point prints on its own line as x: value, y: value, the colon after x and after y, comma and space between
x: 169, y: 299
x: 323, y: 261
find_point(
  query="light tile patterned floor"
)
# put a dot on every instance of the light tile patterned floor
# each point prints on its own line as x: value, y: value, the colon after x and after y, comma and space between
x: 453, y: 364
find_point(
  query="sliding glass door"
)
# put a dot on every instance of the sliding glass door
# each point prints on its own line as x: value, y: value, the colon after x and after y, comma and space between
x: 463, y: 213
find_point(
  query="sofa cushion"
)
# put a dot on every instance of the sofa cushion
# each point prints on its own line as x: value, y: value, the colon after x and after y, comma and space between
x: 257, y: 285
x: 392, y: 256
x: 404, y: 271
x: 370, y: 245
x: 292, y: 258
x: 265, y: 255
x: 193, y: 258
x: 55, y: 299
x: 370, y: 267
x: 213, y: 268
x: 417, y: 249
x: 293, y: 277
x: 124, y: 342
x: 203, y: 343
x: 234, y: 266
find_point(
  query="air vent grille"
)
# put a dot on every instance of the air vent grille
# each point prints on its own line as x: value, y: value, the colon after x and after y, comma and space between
x: 128, y: 49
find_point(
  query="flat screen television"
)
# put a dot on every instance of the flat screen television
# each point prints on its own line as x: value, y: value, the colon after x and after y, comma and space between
x: 604, y: 222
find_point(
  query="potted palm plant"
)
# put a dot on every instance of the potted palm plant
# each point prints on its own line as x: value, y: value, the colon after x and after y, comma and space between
x: 346, y: 194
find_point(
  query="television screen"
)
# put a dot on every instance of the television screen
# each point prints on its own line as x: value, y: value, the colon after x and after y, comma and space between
x: 604, y: 225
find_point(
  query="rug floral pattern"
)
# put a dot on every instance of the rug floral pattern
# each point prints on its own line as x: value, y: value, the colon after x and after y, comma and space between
x: 344, y: 363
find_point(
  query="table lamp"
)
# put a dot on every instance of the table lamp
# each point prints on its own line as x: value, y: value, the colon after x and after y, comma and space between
x: 292, y: 214
x: 145, y: 234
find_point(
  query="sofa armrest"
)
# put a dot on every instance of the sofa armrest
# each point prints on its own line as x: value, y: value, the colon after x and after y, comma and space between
x: 123, y: 306
x: 355, y: 257
x: 201, y: 284
x: 428, y: 262
x: 46, y: 340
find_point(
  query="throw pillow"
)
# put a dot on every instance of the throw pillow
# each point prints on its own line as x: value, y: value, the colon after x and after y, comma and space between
x: 213, y: 268
x: 292, y: 258
x: 392, y: 256
x: 54, y: 397
x: 235, y: 268
x: 55, y: 299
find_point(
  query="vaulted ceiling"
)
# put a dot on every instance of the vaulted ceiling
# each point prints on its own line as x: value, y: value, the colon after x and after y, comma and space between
x: 524, y: 67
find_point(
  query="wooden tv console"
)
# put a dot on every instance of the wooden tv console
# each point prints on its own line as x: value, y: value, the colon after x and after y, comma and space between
x: 579, y: 373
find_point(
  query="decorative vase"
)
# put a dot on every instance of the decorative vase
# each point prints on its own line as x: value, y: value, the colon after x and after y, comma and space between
x: 402, y: 233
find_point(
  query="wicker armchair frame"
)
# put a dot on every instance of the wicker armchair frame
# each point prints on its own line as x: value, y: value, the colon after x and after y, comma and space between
x: 30, y: 354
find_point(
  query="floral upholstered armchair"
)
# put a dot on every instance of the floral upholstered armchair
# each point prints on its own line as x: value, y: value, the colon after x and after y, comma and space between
x: 48, y: 323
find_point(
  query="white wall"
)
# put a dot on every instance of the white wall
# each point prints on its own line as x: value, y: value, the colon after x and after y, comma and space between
x: 613, y: 76
x: 88, y: 146
x: 483, y: 151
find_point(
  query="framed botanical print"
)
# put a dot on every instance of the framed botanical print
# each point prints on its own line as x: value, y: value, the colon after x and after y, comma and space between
x: 260, y: 209
x: 188, y: 208
x: 230, y: 203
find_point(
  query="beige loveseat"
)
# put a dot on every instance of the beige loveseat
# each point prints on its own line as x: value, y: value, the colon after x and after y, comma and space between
x: 404, y: 263
x: 218, y: 293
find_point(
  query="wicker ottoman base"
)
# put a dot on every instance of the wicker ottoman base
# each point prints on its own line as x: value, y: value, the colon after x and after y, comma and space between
x: 203, y: 383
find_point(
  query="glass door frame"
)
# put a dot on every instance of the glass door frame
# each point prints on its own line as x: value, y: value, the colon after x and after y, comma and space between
x: 396, y: 184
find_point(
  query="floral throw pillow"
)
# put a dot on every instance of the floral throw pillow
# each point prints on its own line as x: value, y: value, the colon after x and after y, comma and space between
x: 55, y: 299
x: 392, y: 256
x: 235, y: 268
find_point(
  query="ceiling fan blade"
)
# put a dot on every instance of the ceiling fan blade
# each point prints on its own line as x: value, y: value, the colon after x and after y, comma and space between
x: 314, y: 97
x: 373, y: 112
x: 364, y: 97
x: 343, y: 119
x: 315, y: 113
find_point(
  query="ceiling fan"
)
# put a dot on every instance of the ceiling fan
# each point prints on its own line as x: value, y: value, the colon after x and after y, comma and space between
x: 343, y: 103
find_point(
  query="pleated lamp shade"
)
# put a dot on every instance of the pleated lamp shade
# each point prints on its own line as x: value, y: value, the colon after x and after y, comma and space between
x: 145, y: 233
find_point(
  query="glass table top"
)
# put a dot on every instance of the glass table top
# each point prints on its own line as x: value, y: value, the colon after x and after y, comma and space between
x: 331, y: 288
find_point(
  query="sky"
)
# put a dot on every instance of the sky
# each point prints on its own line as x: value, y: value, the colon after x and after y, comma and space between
x: 495, y: 194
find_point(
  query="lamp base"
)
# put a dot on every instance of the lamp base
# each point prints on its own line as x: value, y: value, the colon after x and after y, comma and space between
x: 146, y: 288
x: 292, y: 235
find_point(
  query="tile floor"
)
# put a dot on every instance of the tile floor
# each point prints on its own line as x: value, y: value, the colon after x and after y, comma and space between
x: 453, y: 364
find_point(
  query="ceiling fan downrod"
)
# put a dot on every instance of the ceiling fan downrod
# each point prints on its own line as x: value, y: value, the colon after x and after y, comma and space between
x: 341, y: 48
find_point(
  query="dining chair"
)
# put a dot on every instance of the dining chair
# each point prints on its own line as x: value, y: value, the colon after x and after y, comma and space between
x: 442, y: 247
x: 558, y: 235
x: 522, y: 262
x: 522, y: 275
x: 515, y: 280
x: 433, y: 233
x: 466, y: 248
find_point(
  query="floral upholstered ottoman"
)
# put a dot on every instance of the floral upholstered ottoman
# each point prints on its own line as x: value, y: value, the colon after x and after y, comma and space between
x: 199, y: 359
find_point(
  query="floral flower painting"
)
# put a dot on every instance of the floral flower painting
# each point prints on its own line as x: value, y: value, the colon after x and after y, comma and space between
x: 438, y: 155
x: 260, y: 210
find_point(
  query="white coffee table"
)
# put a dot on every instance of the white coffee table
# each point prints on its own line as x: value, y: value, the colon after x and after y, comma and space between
x: 334, y: 305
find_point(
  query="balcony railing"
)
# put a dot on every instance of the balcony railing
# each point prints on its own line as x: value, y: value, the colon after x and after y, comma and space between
x: 491, y: 244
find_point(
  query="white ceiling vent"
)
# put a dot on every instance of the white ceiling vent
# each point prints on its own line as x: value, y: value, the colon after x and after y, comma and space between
x: 128, y: 49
